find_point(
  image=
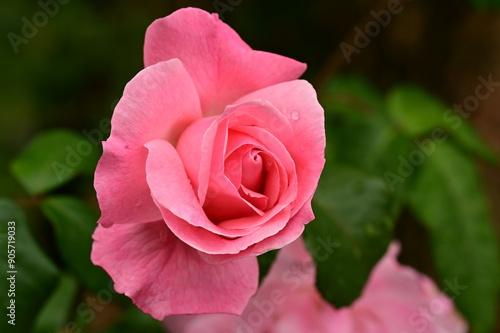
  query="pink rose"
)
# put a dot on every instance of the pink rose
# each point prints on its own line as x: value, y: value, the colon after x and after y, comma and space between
x: 214, y: 155
x: 396, y: 299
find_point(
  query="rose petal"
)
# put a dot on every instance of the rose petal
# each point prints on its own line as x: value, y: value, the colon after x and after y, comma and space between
x: 180, y: 209
x: 222, y: 66
x: 203, y: 154
x: 159, y: 102
x: 292, y: 230
x: 281, y: 177
x: 244, y: 167
x: 288, y: 234
x: 195, y: 143
x: 172, y: 190
x: 164, y: 276
x: 206, y: 323
x: 221, y: 190
x: 120, y: 183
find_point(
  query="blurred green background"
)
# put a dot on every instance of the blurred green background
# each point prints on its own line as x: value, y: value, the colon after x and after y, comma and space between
x: 70, y: 71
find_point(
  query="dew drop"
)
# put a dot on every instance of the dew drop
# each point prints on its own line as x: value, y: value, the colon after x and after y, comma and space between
x: 295, y: 115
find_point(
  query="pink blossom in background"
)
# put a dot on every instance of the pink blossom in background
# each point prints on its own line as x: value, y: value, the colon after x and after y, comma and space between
x: 396, y: 299
x: 214, y: 155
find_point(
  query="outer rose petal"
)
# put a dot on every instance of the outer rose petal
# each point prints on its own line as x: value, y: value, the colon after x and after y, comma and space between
x: 158, y: 103
x: 222, y: 66
x: 286, y: 302
x: 298, y: 101
x: 163, y: 276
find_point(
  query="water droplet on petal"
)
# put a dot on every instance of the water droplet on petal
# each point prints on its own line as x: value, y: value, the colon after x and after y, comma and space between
x: 295, y: 115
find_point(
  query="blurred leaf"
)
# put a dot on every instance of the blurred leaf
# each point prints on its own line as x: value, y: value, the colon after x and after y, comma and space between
x: 449, y: 201
x: 468, y: 138
x: 74, y: 222
x: 369, y: 143
x: 414, y: 110
x: 265, y: 262
x: 417, y: 112
x: 36, y: 275
x: 389, y: 164
x: 56, y: 311
x: 52, y: 159
x: 486, y: 4
x: 346, y: 94
x: 359, y: 140
x: 358, y: 131
x: 352, y: 230
x: 134, y: 320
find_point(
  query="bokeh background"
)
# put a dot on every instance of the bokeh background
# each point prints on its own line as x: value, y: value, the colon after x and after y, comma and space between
x: 72, y: 70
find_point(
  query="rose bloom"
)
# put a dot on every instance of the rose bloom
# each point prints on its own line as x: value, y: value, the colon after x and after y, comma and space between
x: 396, y: 299
x: 214, y: 155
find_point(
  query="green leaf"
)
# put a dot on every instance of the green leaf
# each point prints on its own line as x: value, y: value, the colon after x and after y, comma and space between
x: 365, y: 142
x: 414, y: 111
x: 370, y: 143
x: 35, y: 275
x: 450, y: 202
x: 468, y: 138
x: 352, y: 230
x: 52, y: 159
x: 134, y: 320
x: 346, y: 94
x: 362, y: 135
x: 486, y: 4
x: 74, y: 222
x: 56, y: 311
x: 265, y: 262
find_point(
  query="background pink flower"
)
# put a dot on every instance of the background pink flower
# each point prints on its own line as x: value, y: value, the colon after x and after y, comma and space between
x: 398, y: 299
x: 215, y: 153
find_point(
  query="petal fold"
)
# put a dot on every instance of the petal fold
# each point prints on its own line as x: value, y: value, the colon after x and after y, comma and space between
x: 297, y: 100
x: 158, y: 103
x: 164, y: 276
